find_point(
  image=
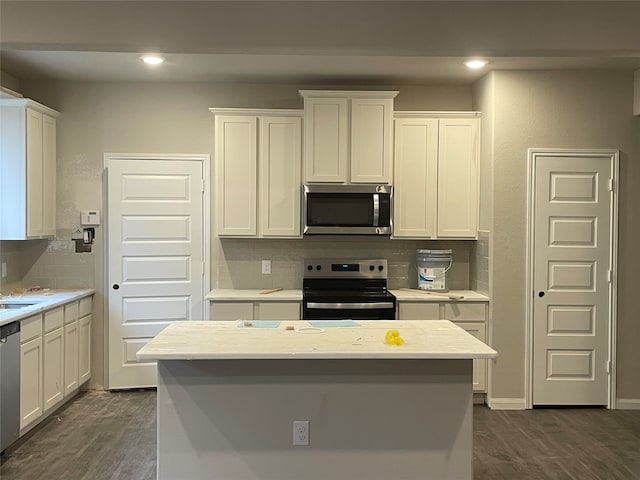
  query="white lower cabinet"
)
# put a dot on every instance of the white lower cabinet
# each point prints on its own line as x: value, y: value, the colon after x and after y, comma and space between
x: 255, y: 311
x: 84, y: 349
x: 31, y: 376
x: 71, y: 358
x: 470, y: 316
x: 53, y: 357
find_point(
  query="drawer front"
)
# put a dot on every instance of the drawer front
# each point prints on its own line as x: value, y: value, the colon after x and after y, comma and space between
x: 53, y: 319
x: 86, y: 306
x: 457, y: 312
x: 30, y: 328
x: 231, y: 311
x: 70, y: 312
x: 278, y: 311
x: 418, y: 311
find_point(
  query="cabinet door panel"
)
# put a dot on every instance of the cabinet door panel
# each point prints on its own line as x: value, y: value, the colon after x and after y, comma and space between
x: 278, y: 311
x: 371, y: 140
x: 415, y: 178
x: 418, y: 311
x: 236, y: 148
x: 279, y: 159
x: 30, y: 381
x: 479, y: 365
x: 71, y: 358
x: 53, y: 355
x: 326, y: 131
x: 84, y: 349
x: 458, y: 178
x: 35, y: 173
x: 49, y: 175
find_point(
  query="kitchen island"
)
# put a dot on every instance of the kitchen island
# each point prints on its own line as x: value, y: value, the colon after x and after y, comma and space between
x: 229, y: 392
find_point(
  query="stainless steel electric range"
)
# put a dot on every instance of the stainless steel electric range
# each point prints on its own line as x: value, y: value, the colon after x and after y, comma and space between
x: 335, y: 289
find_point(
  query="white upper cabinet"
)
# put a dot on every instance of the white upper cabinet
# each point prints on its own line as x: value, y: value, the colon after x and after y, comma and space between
x: 348, y: 136
x: 436, y: 176
x: 27, y: 170
x: 258, y: 163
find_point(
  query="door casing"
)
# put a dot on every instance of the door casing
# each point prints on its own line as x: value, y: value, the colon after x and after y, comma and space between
x: 533, y: 154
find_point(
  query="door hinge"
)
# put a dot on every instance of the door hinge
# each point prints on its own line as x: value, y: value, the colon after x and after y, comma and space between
x: 611, y: 184
x: 202, y: 186
x: 610, y: 276
x: 608, y: 366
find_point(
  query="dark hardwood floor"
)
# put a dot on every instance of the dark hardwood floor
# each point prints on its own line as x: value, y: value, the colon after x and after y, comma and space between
x: 103, y: 435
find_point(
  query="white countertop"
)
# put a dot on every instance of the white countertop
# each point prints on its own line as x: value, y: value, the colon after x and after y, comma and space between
x: 424, y: 296
x: 433, y: 339
x: 295, y: 295
x: 42, y: 300
x: 253, y: 295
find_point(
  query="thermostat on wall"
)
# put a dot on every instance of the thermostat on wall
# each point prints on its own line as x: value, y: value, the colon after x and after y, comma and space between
x: 90, y: 217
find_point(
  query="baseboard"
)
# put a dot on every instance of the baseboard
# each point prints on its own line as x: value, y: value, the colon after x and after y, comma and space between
x: 507, y: 404
x: 628, y: 404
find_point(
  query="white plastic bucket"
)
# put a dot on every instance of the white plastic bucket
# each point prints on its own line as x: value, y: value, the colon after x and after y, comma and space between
x: 433, y: 269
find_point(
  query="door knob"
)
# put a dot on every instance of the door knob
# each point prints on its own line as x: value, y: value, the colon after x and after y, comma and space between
x: 116, y: 286
x: 541, y: 294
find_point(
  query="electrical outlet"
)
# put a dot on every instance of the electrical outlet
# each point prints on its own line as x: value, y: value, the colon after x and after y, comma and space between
x: 301, y: 432
x: 4, y: 269
x: 266, y: 267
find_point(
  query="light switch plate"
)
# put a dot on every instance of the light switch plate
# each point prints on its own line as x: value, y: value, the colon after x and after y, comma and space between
x: 266, y: 267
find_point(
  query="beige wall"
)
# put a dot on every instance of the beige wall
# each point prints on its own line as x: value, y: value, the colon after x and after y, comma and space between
x: 174, y: 118
x: 556, y: 109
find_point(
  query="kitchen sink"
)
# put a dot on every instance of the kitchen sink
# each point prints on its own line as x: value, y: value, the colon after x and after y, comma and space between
x: 14, y: 305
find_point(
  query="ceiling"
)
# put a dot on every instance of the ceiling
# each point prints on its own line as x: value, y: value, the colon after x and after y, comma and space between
x: 310, y: 41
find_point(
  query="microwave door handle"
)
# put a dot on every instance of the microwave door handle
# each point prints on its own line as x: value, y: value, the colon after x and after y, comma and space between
x: 376, y: 209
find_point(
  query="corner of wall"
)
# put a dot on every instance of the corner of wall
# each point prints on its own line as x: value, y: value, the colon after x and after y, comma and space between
x: 636, y: 93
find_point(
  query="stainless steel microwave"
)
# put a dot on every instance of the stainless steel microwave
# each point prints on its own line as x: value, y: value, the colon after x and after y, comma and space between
x: 347, y: 209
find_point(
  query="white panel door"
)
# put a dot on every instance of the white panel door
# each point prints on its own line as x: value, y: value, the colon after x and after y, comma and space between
x: 572, y: 261
x: 415, y: 177
x: 371, y: 140
x: 458, y: 178
x: 279, y: 159
x: 156, y: 257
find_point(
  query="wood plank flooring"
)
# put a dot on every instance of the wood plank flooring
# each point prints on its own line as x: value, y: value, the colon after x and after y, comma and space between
x: 109, y: 436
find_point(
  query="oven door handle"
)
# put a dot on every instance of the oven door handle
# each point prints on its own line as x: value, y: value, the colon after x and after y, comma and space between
x: 348, y: 306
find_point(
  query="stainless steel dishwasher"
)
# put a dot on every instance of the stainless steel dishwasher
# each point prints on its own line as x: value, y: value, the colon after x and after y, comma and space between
x: 9, y: 384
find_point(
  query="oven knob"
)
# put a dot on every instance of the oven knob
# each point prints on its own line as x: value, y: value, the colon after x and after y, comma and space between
x: 380, y: 267
x: 309, y: 267
x: 371, y: 267
x: 318, y: 267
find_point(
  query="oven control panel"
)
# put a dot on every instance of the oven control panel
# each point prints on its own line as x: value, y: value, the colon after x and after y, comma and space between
x: 341, y: 268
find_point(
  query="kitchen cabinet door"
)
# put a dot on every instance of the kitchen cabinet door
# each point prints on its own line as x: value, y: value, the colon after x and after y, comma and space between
x: 53, y: 371
x: 71, y: 358
x: 279, y: 158
x: 415, y: 178
x: 84, y: 349
x: 231, y: 311
x: 31, y: 376
x: 371, y: 140
x: 478, y: 330
x: 278, y: 311
x: 458, y: 178
x: 419, y: 311
x: 27, y: 170
x: 236, y: 180
x: 326, y: 137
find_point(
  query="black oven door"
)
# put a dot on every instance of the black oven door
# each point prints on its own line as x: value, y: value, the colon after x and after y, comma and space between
x: 365, y: 310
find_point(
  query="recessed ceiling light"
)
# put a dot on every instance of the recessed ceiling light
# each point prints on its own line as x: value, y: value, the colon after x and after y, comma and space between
x: 152, y: 59
x: 475, y: 63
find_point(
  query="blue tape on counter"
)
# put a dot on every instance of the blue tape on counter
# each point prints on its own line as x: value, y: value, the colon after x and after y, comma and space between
x: 258, y: 323
x: 333, y: 323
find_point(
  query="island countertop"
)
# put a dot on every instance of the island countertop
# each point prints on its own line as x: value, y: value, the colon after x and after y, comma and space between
x: 363, y: 339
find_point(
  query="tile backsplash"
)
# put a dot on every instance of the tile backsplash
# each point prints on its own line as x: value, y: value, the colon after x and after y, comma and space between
x: 238, y: 263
